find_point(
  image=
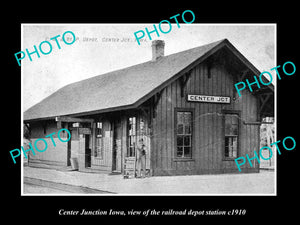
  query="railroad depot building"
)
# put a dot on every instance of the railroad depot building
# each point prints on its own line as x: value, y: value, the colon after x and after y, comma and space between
x: 184, y: 106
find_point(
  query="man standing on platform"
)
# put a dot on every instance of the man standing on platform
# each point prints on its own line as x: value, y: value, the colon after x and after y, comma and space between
x: 141, y: 158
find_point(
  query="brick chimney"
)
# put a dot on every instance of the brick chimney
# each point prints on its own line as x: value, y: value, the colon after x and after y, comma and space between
x: 158, y: 49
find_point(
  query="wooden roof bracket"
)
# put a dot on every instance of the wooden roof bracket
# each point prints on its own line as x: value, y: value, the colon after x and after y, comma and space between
x: 27, y: 125
x: 156, y: 98
x: 183, y: 80
x: 263, y: 99
x: 244, y: 74
x: 147, y: 113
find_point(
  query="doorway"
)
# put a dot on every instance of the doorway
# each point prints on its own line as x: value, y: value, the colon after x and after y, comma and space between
x: 69, y: 150
x: 69, y: 153
x: 87, y: 151
x: 117, y: 146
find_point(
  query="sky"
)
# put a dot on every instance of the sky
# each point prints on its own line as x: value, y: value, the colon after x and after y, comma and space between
x: 101, y: 48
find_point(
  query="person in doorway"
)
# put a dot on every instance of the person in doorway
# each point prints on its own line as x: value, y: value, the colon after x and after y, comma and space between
x: 141, y: 158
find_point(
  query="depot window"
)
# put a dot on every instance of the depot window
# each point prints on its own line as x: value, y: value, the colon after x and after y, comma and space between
x: 183, y: 133
x: 231, y: 134
x: 99, y: 141
x: 131, y: 138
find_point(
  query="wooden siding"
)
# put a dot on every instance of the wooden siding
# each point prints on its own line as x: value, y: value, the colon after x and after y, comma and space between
x: 159, y: 133
x: 52, y: 155
x: 208, y: 135
x: 104, y: 163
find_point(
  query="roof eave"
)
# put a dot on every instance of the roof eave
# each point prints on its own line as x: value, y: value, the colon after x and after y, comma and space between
x: 240, y: 56
x: 87, y: 113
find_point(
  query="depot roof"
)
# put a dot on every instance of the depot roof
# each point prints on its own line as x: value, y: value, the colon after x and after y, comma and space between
x: 125, y: 88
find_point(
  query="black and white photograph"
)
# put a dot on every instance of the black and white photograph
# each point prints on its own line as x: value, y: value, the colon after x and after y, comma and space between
x: 106, y: 111
x: 149, y: 113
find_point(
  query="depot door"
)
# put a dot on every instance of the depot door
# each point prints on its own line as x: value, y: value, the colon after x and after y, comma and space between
x: 87, y: 151
x: 117, y: 146
x: 69, y: 151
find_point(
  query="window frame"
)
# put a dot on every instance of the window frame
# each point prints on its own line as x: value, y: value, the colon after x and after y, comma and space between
x: 128, y: 135
x: 175, y: 157
x: 224, y: 113
x: 98, y: 156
